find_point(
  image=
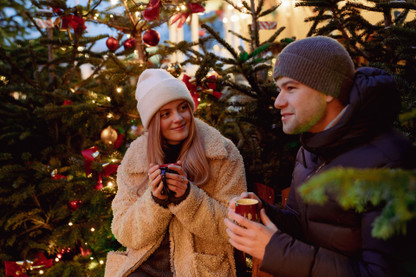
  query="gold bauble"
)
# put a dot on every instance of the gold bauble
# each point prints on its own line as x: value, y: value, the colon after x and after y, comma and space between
x: 175, y: 69
x: 109, y: 135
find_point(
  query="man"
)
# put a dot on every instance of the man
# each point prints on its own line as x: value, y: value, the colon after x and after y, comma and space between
x: 345, y: 119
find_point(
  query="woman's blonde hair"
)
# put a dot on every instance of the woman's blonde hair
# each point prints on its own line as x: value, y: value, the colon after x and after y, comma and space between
x: 192, y: 154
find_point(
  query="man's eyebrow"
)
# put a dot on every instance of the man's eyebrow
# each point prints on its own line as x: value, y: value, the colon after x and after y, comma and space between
x: 289, y: 82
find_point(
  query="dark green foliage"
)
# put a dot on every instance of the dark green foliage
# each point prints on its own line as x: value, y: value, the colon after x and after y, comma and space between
x: 360, y: 189
x: 50, y: 114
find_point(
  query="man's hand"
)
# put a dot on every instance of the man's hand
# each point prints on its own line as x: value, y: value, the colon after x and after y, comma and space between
x: 249, y: 236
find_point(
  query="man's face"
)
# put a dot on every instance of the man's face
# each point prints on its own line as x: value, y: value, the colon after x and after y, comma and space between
x: 303, y: 109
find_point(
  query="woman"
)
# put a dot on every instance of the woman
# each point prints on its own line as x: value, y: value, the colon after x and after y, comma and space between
x: 180, y: 232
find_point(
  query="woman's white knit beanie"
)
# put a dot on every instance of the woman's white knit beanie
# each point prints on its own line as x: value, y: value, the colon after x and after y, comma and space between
x: 155, y: 88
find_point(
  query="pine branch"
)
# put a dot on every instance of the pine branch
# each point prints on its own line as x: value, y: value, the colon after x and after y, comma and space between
x: 16, y: 67
x: 273, y: 37
x: 360, y: 189
x: 220, y: 40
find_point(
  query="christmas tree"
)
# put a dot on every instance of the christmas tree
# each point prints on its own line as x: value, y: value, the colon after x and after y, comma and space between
x: 69, y: 114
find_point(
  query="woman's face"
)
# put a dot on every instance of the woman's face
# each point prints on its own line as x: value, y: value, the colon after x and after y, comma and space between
x: 175, y: 119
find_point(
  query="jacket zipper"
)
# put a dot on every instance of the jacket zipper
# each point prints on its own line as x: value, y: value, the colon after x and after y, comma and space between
x: 305, y: 216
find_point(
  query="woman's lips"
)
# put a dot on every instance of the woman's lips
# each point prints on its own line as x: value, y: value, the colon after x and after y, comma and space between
x: 179, y: 128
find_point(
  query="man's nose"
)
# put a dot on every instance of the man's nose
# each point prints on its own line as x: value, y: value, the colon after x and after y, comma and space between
x: 279, y: 102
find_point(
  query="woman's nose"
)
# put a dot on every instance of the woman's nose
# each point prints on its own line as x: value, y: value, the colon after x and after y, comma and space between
x: 177, y: 117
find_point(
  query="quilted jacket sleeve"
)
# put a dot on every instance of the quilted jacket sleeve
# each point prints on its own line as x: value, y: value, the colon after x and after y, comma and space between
x: 284, y: 254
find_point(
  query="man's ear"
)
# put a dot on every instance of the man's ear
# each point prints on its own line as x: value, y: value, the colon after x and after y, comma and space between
x: 329, y: 98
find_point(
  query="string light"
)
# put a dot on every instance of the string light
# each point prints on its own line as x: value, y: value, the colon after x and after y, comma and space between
x: 92, y: 229
x: 110, y: 115
x: 119, y: 89
x: 110, y: 184
x: 70, y: 223
x: 101, y: 262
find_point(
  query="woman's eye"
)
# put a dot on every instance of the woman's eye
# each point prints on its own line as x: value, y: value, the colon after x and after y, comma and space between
x: 164, y: 115
x: 183, y: 107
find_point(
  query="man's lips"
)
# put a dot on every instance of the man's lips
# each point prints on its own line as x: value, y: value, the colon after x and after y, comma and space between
x: 285, y: 115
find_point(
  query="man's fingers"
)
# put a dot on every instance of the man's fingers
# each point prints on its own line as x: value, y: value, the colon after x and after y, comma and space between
x: 240, y: 220
x: 266, y: 221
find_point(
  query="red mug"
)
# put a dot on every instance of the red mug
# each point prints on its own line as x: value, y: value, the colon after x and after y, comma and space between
x: 248, y: 208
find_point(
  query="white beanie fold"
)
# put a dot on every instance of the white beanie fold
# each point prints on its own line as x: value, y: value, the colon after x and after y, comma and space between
x: 156, y: 88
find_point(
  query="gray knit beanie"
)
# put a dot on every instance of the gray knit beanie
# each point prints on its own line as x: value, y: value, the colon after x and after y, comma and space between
x: 320, y: 62
x: 155, y: 88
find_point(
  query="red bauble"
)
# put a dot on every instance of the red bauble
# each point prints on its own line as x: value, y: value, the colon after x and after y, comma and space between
x: 151, y: 37
x: 74, y: 205
x: 129, y: 44
x: 112, y: 43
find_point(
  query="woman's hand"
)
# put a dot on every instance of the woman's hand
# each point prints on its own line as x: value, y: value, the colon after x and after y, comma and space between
x: 178, y: 183
x: 155, y: 181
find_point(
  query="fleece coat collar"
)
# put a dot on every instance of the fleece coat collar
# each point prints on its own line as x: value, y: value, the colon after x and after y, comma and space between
x: 214, y: 145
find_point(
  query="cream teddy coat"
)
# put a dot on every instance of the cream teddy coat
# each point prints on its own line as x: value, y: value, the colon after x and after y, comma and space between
x: 198, y: 241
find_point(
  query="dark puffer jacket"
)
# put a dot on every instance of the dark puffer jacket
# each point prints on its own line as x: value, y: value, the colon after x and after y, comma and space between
x: 325, y: 240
